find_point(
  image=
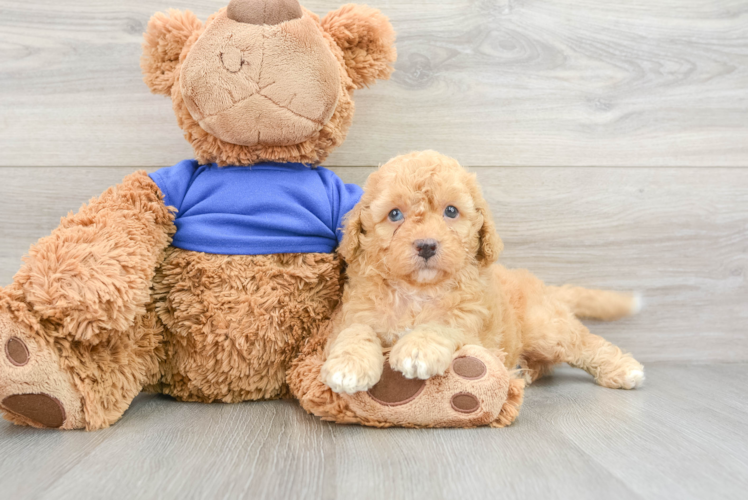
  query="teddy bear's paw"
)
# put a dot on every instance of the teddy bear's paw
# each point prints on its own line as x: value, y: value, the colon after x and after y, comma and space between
x: 394, y: 388
x: 34, y: 390
x: 473, y: 391
x: 350, y: 374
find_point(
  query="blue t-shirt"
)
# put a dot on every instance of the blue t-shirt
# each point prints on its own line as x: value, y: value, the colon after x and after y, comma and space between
x: 263, y: 209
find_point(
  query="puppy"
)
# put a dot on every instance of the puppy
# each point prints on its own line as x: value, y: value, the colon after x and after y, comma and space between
x: 420, y: 248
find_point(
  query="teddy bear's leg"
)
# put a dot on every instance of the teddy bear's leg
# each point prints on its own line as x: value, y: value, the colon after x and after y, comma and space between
x: 475, y: 390
x: 79, y: 334
x: 34, y: 388
x: 57, y: 383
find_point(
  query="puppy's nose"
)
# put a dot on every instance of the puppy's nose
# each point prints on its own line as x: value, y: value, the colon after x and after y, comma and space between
x: 426, y: 248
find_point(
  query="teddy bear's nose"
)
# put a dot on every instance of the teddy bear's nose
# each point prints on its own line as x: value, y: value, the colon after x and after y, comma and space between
x: 263, y: 11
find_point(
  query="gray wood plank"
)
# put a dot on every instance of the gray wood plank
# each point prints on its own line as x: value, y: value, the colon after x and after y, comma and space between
x: 573, y: 439
x: 250, y: 450
x: 680, y: 236
x: 479, y: 463
x: 275, y: 450
x: 731, y: 390
x: 529, y: 460
x: 492, y: 82
x: 661, y: 444
x: 32, y: 460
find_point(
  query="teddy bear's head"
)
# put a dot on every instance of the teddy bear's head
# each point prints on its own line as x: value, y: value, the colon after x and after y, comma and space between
x: 266, y: 79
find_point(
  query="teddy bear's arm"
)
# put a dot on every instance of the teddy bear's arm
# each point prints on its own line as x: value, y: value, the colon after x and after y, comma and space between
x: 93, y: 274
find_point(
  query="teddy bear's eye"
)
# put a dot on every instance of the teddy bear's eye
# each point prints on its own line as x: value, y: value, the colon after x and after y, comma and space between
x: 451, y: 212
x: 396, y: 215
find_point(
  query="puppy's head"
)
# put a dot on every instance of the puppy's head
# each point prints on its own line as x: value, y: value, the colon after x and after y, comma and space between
x: 421, y: 220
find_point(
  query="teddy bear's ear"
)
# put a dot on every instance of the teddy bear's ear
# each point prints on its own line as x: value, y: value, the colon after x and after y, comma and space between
x: 163, y: 42
x: 367, y: 39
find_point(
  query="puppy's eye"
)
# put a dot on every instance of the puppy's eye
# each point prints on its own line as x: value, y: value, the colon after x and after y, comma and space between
x: 396, y: 215
x: 451, y: 212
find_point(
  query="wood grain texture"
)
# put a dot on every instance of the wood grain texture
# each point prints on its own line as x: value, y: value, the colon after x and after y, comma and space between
x: 681, y: 436
x: 491, y: 82
x: 679, y: 236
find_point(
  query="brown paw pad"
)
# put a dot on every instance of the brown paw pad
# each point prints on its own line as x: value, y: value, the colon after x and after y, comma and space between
x: 16, y: 351
x: 393, y: 389
x: 464, y: 402
x: 469, y: 367
x: 41, y: 409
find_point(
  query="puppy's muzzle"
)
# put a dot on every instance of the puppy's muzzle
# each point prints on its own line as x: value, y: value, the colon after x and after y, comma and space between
x: 426, y: 248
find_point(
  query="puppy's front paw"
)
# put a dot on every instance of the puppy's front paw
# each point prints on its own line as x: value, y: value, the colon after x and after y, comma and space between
x: 350, y: 374
x: 420, y: 355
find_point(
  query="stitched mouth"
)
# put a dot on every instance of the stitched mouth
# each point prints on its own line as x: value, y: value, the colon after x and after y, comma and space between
x: 260, y: 118
x: 270, y: 100
x: 260, y: 121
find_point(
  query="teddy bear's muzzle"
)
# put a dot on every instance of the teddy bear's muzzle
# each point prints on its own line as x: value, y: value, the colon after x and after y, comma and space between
x: 258, y: 84
x: 259, y: 120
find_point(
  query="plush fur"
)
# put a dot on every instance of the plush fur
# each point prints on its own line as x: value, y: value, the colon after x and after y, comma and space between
x: 104, y: 307
x: 426, y: 309
x: 367, y: 41
x: 233, y: 324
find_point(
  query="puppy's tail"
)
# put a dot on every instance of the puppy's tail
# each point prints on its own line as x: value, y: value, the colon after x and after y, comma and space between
x: 604, y: 305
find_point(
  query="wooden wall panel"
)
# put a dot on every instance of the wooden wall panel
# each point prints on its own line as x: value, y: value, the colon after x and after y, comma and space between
x: 492, y: 82
x: 680, y: 236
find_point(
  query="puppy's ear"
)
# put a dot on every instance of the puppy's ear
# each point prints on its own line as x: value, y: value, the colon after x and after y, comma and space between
x: 513, y: 403
x: 490, y: 245
x: 367, y: 39
x: 350, y: 245
x: 163, y: 42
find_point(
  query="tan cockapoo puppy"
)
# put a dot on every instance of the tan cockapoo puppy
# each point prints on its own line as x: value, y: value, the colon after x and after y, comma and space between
x: 420, y: 248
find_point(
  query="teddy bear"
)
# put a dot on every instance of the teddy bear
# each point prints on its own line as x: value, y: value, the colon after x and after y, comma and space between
x: 214, y: 280
x: 202, y: 280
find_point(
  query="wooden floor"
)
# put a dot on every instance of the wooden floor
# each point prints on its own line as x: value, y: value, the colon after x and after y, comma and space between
x: 684, y: 435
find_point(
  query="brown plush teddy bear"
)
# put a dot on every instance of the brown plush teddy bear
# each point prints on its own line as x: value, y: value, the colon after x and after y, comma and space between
x: 201, y: 280
x: 213, y: 279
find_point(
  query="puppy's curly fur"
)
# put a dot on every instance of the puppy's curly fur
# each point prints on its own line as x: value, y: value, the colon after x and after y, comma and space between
x: 420, y: 247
